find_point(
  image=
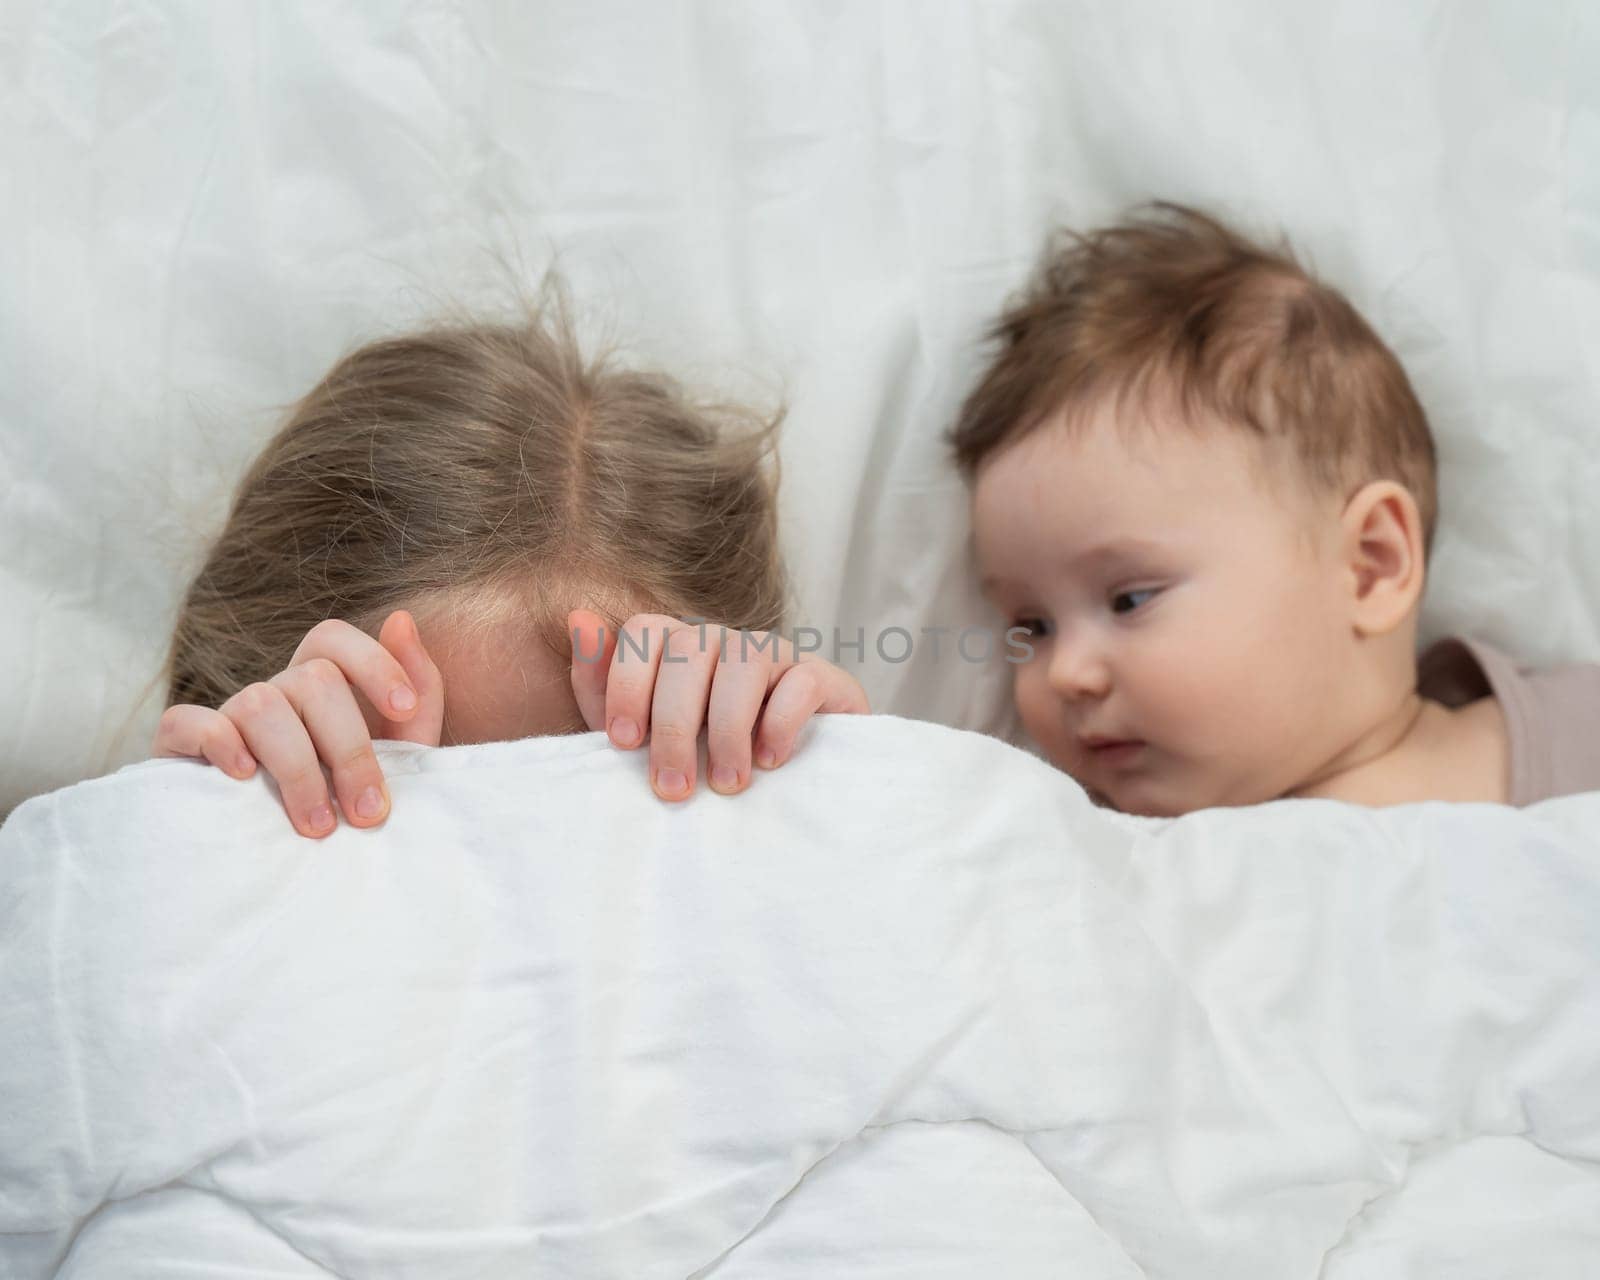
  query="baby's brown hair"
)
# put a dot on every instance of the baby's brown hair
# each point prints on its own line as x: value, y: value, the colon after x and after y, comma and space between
x: 485, y: 470
x: 1172, y: 303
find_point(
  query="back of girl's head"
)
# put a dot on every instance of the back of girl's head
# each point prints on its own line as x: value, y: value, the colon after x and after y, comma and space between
x: 484, y: 472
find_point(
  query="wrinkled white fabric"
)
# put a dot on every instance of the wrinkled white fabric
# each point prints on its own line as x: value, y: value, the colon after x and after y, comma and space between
x: 910, y: 1007
x: 205, y: 205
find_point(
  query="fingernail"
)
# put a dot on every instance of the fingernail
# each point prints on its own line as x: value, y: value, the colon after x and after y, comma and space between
x: 321, y: 818
x: 369, y: 804
x: 624, y: 732
x: 724, y: 778
x: 402, y: 699
x: 242, y: 765
x: 766, y: 758
x: 671, y: 783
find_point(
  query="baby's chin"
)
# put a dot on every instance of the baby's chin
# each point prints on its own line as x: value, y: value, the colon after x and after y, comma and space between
x: 1141, y: 808
x: 1148, y: 791
x: 1146, y: 797
x: 1137, y: 797
x: 1099, y: 798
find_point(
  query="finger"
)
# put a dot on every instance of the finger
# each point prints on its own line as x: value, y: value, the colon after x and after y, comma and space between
x: 678, y: 708
x: 326, y: 705
x: 842, y: 694
x: 203, y: 733
x: 797, y: 697
x: 738, y: 688
x: 399, y: 635
x: 631, y: 677
x: 278, y: 739
x: 366, y: 663
x: 593, y: 644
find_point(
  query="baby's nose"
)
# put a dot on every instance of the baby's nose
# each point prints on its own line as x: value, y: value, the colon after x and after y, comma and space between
x: 1079, y: 669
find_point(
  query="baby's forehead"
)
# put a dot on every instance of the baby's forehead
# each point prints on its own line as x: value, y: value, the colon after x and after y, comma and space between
x: 1071, y: 485
x: 1119, y: 444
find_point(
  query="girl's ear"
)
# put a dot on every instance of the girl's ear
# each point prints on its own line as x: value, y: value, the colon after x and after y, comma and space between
x: 1383, y: 556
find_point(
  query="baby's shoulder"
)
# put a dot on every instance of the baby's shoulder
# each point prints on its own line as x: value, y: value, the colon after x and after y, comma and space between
x: 1550, y: 713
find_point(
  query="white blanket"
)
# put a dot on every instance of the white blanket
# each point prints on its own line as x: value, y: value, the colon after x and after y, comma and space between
x: 911, y: 1007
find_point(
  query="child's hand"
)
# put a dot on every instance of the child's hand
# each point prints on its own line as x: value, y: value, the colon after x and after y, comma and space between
x: 667, y: 679
x: 308, y: 714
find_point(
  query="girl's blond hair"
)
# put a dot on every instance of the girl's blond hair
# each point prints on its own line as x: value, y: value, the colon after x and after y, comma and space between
x: 483, y: 471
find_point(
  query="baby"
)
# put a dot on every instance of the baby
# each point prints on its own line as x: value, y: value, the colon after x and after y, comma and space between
x: 1204, y: 489
x: 482, y: 509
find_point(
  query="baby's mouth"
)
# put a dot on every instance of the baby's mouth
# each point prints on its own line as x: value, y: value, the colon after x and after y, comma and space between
x: 1113, y: 751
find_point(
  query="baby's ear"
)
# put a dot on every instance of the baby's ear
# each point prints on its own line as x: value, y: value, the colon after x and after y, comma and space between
x: 1383, y: 556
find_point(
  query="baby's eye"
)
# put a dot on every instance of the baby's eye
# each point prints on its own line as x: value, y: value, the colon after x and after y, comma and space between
x: 1128, y: 601
x: 1036, y: 627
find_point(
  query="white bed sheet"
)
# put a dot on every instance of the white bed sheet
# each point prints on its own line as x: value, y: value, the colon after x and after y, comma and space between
x: 204, y: 205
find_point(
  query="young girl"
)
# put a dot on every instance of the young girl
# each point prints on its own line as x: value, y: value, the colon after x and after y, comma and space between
x: 438, y: 548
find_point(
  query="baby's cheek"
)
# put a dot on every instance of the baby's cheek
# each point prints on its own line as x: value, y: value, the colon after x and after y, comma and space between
x: 1195, y: 719
x: 1241, y: 731
x: 1040, y: 712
